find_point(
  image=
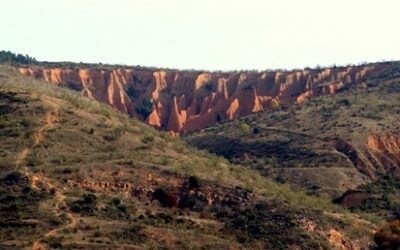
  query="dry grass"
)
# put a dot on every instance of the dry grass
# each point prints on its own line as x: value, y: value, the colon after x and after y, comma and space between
x: 91, y: 141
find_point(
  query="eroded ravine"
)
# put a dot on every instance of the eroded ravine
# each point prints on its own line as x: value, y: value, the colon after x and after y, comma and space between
x: 179, y: 101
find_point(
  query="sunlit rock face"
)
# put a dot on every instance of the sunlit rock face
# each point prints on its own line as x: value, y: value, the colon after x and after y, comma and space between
x: 183, y: 101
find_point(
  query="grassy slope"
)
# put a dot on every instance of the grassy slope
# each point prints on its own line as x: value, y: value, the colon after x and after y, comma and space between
x: 294, y: 144
x: 55, y: 137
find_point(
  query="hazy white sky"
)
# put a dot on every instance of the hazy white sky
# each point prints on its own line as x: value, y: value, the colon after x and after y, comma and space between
x: 206, y: 34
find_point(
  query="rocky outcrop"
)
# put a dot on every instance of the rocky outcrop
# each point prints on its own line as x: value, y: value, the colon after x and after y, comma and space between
x: 384, y: 151
x: 388, y: 236
x: 338, y: 240
x: 380, y: 155
x: 352, y: 198
x: 184, y: 196
x: 185, y: 101
x: 356, y: 156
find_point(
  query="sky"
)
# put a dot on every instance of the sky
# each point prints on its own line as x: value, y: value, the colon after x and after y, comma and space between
x: 206, y: 34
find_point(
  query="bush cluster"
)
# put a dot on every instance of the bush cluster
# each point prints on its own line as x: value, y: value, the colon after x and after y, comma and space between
x: 9, y: 57
x: 194, y: 181
x: 86, y: 204
x: 165, y: 198
x: 244, y: 128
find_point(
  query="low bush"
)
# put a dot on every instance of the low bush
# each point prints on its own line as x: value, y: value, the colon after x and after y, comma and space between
x: 219, y: 117
x: 89, y: 198
x: 33, y: 160
x: 388, y: 237
x: 85, y: 204
x: 54, y: 242
x: 13, y: 178
x: 256, y: 130
x: 146, y: 108
x: 165, y: 198
x: 122, y: 207
x: 134, y: 233
x: 76, y: 208
x: 274, y: 104
x: 117, y: 203
x: 344, y: 102
x: 147, y: 139
x: 132, y: 92
x: 194, y: 181
x: 115, y: 133
x: 244, y: 128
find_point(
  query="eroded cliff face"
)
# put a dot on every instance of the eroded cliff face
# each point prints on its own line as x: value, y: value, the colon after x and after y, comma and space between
x: 384, y: 152
x: 187, y: 101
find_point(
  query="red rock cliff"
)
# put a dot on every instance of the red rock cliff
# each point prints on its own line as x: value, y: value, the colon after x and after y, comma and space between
x: 186, y: 101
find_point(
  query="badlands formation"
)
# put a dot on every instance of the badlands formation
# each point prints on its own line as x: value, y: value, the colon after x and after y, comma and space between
x: 185, y: 101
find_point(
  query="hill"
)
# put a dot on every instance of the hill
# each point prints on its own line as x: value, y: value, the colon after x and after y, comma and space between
x: 326, y: 145
x: 76, y: 173
x: 184, y: 101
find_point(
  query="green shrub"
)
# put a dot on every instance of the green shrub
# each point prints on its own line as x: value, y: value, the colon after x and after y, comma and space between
x: 219, y: 117
x: 122, y: 207
x: 194, y: 181
x: 165, y: 198
x: 274, y: 104
x: 132, y: 92
x: 27, y: 190
x: 247, y: 86
x: 33, y: 160
x: 244, y: 128
x: 13, y: 178
x: 76, y: 208
x: 54, y: 242
x: 96, y: 234
x: 114, y: 134
x: 134, y: 233
x: 344, y: 102
x: 146, y: 108
x: 209, y: 87
x: 86, y: 203
x: 160, y: 193
x: 115, y: 201
x: 276, y: 227
x: 147, y: 139
x: 89, y: 198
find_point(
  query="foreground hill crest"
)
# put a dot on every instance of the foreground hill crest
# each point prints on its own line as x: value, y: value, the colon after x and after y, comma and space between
x: 77, y: 174
x: 185, y: 101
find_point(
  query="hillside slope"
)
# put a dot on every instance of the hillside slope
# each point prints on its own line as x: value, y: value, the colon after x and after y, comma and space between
x: 327, y: 144
x: 77, y: 174
x: 183, y: 101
